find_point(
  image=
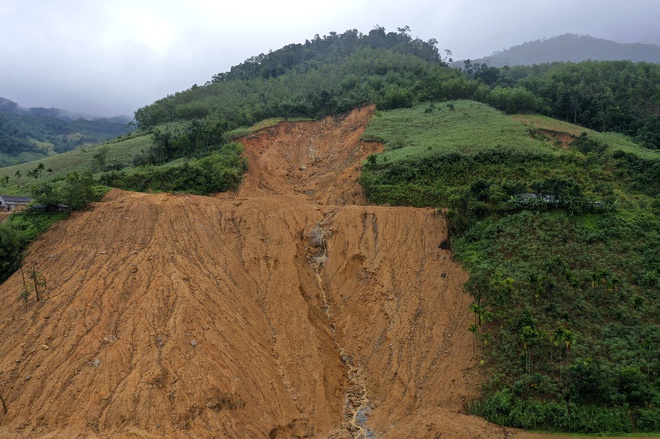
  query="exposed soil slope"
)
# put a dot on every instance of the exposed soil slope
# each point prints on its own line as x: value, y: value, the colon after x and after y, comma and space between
x: 286, y: 310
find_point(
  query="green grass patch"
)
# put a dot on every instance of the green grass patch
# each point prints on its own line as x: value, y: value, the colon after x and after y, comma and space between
x: 614, y: 141
x: 266, y: 123
x: 464, y: 127
x: 438, y: 152
x: 538, y: 121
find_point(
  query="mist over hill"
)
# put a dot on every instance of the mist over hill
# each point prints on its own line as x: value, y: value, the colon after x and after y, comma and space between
x: 28, y: 134
x: 9, y: 106
x: 573, y: 48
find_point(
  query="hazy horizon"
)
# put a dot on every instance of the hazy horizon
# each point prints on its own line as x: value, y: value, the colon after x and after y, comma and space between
x: 111, y: 59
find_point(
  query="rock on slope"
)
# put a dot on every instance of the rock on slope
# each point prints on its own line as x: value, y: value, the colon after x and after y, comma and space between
x: 286, y: 310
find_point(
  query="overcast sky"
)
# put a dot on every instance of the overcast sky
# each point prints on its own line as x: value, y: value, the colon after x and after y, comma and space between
x: 111, y: 57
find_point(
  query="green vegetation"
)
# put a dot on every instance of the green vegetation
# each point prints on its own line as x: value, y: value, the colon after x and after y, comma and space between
x: 220, y: 171
x: 16, y: 233
x: 571, y: 324
x: 466, y: 154
x: 325, y: 76
x: 453, y: 127
x: 619, y: 96
x: 36, y: 133
x: 75, y: 191
x: 561, y: 242
x: 558, y: 224
x: 120, y: 154
x: 339, y: 72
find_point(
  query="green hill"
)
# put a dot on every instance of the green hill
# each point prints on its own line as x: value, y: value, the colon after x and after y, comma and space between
x: 28, y: 134
x: 557, y: 223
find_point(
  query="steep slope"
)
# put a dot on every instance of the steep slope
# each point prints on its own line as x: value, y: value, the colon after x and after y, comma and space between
x: 285, y: 310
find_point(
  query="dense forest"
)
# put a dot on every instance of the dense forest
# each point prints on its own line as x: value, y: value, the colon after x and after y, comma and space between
x: 328, y: 75
x: 333, y: 74
x: 561, y: 236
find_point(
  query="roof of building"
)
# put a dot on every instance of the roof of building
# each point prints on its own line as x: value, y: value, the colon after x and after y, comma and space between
x: 13, y: 199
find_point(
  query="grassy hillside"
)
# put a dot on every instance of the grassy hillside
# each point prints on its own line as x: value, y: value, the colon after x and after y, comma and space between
x: 566, y: 287
x: 437, y: 152
x: 123, y: 163
x: 451, y: 127
x: 117, y: 154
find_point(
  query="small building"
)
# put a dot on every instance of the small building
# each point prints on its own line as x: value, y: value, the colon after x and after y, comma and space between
x: 50, y: 208
x: 38, y: 207
x: 9, y: 203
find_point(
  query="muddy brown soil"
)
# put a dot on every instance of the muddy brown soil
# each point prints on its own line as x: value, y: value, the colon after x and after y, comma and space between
x: 287, y: 310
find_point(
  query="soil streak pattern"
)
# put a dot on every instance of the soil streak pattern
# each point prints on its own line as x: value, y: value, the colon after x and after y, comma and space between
x: 287, y: 310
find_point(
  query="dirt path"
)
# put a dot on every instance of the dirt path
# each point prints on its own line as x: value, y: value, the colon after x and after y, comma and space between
x: 287, y: 310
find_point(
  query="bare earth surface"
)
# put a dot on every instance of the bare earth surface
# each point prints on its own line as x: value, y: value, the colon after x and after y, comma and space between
x: 287, y: 310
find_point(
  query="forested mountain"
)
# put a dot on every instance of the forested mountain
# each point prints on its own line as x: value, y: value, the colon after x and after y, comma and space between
x: 327, y: 75
x: 573, y: 48
x: 30, y: 133
x: 333, y: 74
x: 553, y: 201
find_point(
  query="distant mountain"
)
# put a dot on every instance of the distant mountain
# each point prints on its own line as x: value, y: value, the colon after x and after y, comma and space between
x: 571, y: 47
x: 8, y: 106
x: 31, y: 133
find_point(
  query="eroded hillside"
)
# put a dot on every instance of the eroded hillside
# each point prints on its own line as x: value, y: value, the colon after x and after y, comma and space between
x: 289, y: 309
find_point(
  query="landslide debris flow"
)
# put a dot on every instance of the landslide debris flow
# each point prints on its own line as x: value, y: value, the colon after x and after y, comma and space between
x: 287, y: 310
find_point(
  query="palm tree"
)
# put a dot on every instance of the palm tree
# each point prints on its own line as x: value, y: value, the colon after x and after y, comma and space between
x: 528, y: 336
x: 481, y: 316
x: 563, y: 338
